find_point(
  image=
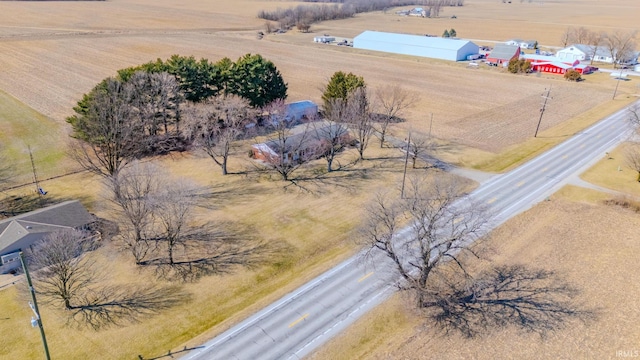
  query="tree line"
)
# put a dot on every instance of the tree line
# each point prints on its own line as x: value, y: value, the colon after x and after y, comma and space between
x: 305, y: 15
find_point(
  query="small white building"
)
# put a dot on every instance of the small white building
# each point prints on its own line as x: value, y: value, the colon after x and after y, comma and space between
x: 523, y: 44
x: 324, y: 39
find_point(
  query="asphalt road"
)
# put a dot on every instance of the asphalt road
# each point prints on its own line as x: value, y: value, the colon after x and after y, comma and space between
x: 303, y: 320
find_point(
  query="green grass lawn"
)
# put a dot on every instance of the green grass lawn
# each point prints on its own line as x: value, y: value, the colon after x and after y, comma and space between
x: 23, y: 127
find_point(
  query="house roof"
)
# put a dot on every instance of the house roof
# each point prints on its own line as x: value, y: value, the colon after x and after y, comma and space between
x: 414, y: 40
x: 504, y: 52
x: 588, y: 50
x: 303, y: 139
x: 20, y: 231
x: 539, y: 57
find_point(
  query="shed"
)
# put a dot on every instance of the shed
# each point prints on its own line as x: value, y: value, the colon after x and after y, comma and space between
x: 301, y: 109
x: 416, y: 45
x: 20, y: 232
x: 503, y: 54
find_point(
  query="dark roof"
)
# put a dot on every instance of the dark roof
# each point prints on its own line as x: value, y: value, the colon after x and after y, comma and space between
x: 23, y: 230
x: 308, y: 138
x: 504, y: 52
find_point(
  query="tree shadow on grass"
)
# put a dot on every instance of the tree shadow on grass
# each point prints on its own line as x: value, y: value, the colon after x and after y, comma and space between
x: 530, y: 299
x: 120, y: 305
x: 215, y: 249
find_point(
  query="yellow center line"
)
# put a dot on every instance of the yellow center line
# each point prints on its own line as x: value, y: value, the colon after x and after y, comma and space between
x: 520, y: 183
x: 566, y: 156
x: 455, y: 221
x: 492, y: 201
x: 365, y: 277
x: 297, y: 321
x: 545, y: 169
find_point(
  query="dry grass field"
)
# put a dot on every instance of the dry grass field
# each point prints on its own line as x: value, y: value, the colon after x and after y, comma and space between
x: 53, y: 52
x: 592, y: 246
x: 315, y: 226
x: 614, y: 173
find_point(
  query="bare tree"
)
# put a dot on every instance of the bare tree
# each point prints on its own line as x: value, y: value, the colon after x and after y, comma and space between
x: 156, y: 99
x: 634, y: 116
x: 65, y: 275
x: 621, y: 45
x: 441, y: 226
x: 107, y: 139
x: 173, y: 208
x: 285, y: 151
x: 580, y: 35
x: 333, y: 134
x: 358, y: 116
x: 418, y: 146
x: 391, y: 101
x: 133, y: 190
x: 566, y: 37
x: 216, y: 124
x: 595, y: 40
x: 632, y: 157
x: 62, y: 273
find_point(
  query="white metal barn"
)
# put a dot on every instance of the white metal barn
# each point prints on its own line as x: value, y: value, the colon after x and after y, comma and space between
x: 416, y: 45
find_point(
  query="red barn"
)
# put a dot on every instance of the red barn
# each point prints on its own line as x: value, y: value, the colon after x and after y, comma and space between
x: 556, y: 67
x: 503, y: 54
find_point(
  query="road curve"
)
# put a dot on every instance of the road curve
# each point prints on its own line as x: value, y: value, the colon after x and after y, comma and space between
x: 301, y: 321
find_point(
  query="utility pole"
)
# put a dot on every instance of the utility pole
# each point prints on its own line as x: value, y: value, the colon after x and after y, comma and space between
x: 34, y: 305
x: 406, y: 161
x: 544, y: 106
x: 35, y: 175
x: 617, y: 83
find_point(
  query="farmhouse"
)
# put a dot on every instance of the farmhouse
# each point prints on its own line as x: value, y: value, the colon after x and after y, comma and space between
x: 20, y: 232
x: 430, y: 47
x: 584, y: 53
x: 503, y: 54
x: 306, y: 145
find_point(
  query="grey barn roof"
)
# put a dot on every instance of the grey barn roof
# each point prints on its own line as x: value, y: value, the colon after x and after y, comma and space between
x: 503, y: 52
x: 21, y: 231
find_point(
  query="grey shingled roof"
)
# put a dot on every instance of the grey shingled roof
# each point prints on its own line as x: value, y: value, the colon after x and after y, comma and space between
x: 23, y: 230
x: 503, y: 52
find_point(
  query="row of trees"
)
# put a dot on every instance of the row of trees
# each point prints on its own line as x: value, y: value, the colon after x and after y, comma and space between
x: 619, y: 44
x: 141, y: 111
x: 305, y: 15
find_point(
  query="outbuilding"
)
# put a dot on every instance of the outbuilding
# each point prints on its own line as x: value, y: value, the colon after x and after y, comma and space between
x: 503, y: 54
x: 416, y: 45
x: 301, y: 109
